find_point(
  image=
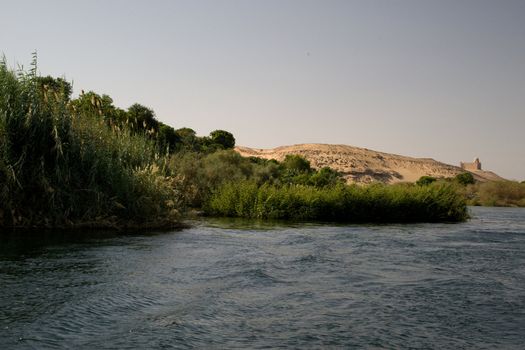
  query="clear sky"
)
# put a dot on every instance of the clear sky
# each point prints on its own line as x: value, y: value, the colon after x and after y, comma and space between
x: 442, y: 79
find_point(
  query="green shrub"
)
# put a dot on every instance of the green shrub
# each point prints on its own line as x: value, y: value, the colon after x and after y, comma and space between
x: 201, y: 173
x: 425, y: 180
x: 324, y: 177
x: 465, y: 179
x: 296, y: 164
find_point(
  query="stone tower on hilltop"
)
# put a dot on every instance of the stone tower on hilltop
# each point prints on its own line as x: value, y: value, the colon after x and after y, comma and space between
x: 474, y: 166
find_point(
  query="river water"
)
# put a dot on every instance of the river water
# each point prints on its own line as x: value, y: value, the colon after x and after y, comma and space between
x: 244, y: 284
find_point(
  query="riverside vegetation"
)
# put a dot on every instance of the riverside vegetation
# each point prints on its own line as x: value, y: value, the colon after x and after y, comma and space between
x: 84, y: 162
x: 292, y: 190
x: 488, y: 194
x: 63, y: 164
x: 496, y: 194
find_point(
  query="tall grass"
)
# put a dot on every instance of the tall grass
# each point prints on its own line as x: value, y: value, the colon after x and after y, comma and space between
x: 437, y: 202
x: 64, y: 167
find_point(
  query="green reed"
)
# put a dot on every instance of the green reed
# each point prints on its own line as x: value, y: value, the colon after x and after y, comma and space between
x: 438, y: 202
x: 62, y: 167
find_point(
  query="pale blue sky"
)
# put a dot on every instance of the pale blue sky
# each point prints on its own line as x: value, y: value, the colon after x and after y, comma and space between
x: 441, y: 79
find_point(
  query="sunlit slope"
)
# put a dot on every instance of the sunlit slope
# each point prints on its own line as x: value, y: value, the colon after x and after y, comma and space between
x: 362, y: 165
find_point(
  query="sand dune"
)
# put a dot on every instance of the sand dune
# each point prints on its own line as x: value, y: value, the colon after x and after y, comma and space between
x: 361, y: 165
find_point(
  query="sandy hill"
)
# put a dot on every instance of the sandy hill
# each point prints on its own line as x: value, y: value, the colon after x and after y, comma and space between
x: 362, y: 165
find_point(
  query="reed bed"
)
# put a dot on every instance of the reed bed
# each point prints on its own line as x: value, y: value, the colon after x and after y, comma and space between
x: 62, y: 167
x: 437, y: 202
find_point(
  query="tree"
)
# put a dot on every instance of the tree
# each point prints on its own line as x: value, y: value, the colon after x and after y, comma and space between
x: 168, y: 138
x: 143, y: 118
x: 326, y: 176
x: 223, y: 138
x: 56, y: 85
x: 294, y: 169
x: 186, y: 133
x: 465, y: 179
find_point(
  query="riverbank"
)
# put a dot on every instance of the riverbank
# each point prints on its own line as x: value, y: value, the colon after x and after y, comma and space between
x: 84, y: 163
x: 63, y: 165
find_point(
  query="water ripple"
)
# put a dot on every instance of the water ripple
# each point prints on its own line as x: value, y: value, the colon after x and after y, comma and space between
x: 248, y: 284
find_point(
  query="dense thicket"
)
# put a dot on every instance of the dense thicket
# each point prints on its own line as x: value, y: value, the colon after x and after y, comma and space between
x: 61, y: 165
x: 202, y: 174
x: 226, y: 184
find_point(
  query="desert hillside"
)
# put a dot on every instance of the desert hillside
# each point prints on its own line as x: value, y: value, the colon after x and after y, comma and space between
x: 362, y: 165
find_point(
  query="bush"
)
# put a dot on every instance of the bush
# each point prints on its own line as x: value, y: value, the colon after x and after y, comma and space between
x: 296, y: 164
x: 325, y: 177
x: 202, y: 173
x: 425, y: 180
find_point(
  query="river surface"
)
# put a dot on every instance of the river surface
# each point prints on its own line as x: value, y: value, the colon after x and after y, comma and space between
x: 227, y: 284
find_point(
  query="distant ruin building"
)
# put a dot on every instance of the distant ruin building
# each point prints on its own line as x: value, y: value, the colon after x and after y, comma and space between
x: 474, y: 166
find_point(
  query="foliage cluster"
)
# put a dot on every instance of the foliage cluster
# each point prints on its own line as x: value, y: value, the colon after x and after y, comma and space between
x: 201, y: 174
x: 142, y: 120
x: 425, y: 180
x: 465, y: 179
